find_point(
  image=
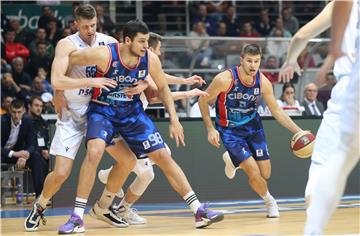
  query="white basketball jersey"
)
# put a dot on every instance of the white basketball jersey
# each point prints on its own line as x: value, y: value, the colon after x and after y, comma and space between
x: 80, y: 97
x: 350, y: 43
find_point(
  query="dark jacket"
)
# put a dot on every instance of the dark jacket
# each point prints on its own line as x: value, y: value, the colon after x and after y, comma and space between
x: 307, y: 111
x: 26, y: 138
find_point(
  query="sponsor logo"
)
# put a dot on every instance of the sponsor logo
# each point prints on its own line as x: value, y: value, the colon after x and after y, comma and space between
x: 119, y: 96
x: 244, y: 96
x: 256, y: 91
x: 259, y: 152
x: 124, y: 79
x: 115, y: 64
x: 142, y: 73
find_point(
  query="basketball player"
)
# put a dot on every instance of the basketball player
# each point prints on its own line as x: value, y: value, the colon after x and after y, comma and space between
x: 143, y: 168
x: 112, y: 112
x: 345, y: 52
x: 325, y: 145
x: 239, y: 125
x: 71, y: 125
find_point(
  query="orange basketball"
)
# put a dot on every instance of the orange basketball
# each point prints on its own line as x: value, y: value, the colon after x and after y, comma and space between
x: 302, y: 144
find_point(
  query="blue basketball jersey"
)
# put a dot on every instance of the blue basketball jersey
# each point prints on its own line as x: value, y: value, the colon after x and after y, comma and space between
x: 237, y: 106
x: 124, y: 76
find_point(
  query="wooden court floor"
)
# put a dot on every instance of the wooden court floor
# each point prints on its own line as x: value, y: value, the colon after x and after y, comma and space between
x: 180, y: 222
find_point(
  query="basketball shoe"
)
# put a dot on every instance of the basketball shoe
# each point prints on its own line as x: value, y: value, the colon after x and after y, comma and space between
x: 107, y: 215
x: 103, y: 177
x: 272, y: 209
x: 33, y: 220
x: 230, y: 169
x: 205, y: 217
x: 74, y: 225
x: 130, y: 215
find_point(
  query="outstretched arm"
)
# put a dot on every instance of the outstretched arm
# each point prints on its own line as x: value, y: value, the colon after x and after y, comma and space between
x: 180, y: 95
x: 297, y: 44
x: 195, y: 79
x: 278, y: 113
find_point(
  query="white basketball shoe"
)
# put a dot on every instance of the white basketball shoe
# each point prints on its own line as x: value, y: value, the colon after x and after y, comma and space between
x: 272, y: 209
x: 103, y: 176
x: 131, y: 216
x: 230, y: 169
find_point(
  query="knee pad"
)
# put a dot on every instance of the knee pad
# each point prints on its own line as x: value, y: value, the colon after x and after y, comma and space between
x: 145, y: 174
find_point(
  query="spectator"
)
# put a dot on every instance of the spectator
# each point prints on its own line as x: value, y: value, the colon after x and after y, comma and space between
x: 48, y: 106
x: 198, y: 47
x: 5, y: 104
x: 287, y: 98
x: 41, y: 37
x: 41, y: 128
x: 5, y: 66
x: 47, y: 14
x: 325, y: 91
x: 291, y: 23
x: 21, y: 78
x: 37, y: 88
x: 306, y: 57
x: 232, y: 22
x: 263, y: 26
x: 22, y: 35
x: 277, y: 47
x: 105, y: 21
x: 70, y: 17
x: 18, y: 144
x: 66, y: 32
x: 208, y: 21
x: 118, y: 35
x: 312, y: 106
x: 272, y: 64
x: 247, y: 31
x: 53, y: 32
x: 39, y: 59
x: 10, y: 88
x: 13, y: 49
x: 72, y: 27
x: 279, y: 25
x: 221, y: 30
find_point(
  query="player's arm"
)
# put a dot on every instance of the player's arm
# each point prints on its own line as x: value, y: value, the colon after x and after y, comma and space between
x: 98, y: 56
x: 180, y: 95
x: 158, y: 75
x: 195, y: 79
x: 220, y: 83
x: 297, y: 44
x: 278, y: 113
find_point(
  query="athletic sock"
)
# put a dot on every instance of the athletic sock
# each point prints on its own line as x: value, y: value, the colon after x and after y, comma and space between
x: 192, y: 200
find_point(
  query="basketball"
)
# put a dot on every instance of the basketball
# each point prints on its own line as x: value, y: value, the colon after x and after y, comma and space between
x: 302, y: 144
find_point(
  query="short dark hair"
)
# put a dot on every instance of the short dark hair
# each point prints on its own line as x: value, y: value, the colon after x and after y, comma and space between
x: 154, y: 39
x: 85, y: 11
x: 33, y: 98
x: 133, y: 27
x: 17, y: 103
x: 252, y: 49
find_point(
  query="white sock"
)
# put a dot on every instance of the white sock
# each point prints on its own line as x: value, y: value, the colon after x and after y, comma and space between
x: 42, y: 201
x: 106, y: 199
x: 267, y: 197
x: 80, y: 205
x: 192, y: 200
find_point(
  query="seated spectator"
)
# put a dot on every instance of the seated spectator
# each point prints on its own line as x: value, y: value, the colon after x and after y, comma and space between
x: 53, y: 32
x: 312, y: 106
x: 325, y: 91
x: 303, y: 58
x: 208, y: 21
x: 43, y: 74
x: 14, y: 49
x: 272, y: 64
x: 5, y: 104
x: 48, y: 106
x: 41, y: 128
x: 66, y: 32
x: 47, y: 14
x: 40, y: 36
x: 232, y: 22
x: 70, y: 17
x: 287, y: 98
x: 10, y: 88
x: 105, y: 22
x: 279, y: 25
x: 277, y: 48
x: 37, y: 88
x: 22, y: 78
x: 200, y: 48
x: 221, y: 30
x: 22, y: 35
x: 72, y: 27
x: 18, y: 144
x: 39, y: 59
x: 263, y: 26
x: 248, y: 31
x: 291, y: 23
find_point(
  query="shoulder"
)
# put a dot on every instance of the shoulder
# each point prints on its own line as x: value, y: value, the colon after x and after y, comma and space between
x: 65, y: 45
x: 4, y: 119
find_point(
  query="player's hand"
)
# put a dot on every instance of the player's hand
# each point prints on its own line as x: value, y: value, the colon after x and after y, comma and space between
x: 214, y: 138
x: 138, y: 88
x: 195, y: 79
x: 322, y: 73
x: 20, y: 163
x: 287, y: 72
x: 103, y: 83
x: 176, y: 131
x: 59, y: 102
x: 196, y: 92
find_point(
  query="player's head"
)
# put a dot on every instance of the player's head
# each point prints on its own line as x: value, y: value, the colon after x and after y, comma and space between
x: 86, y: 20
x: 155, y: 43
x: 250, y: 58
x: 136, y: 36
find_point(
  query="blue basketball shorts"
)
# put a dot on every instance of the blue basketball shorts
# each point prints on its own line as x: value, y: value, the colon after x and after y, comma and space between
x: 137, y: 130
x: 241, y: 145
